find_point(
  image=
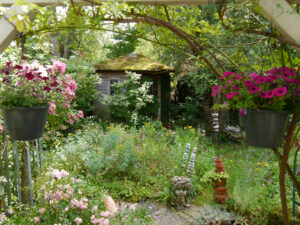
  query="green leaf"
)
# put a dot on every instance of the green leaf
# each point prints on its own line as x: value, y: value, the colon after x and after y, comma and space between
x: 20, y: 25
x: 1, y: 190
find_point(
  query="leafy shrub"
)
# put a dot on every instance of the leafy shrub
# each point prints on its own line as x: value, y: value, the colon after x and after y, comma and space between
x: 97, y: 153
x: 86, y: 78
x: 130, y: 101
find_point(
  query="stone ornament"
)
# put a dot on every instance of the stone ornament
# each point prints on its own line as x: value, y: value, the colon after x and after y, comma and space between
x: 181, y: 187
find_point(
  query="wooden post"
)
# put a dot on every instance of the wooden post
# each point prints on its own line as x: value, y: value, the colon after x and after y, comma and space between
x: 283, y: 165
x: 26, y: 183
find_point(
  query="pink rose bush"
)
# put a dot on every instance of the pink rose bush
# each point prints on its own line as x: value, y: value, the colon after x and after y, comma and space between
x: 60, y: 200
x: 277, y: 89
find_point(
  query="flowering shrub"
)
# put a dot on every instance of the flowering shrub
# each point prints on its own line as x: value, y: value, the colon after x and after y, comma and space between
x: 132, y: 106
x: 62, y: 201
x: 33, y: 84
x: 277, y: 89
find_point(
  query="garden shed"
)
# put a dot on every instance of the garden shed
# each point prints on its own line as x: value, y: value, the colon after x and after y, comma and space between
x: 114, y: 70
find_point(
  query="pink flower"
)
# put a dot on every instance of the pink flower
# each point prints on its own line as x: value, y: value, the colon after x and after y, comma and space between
x: 95, y: 208
x: 269, y: 94
x: 253, y: 76
x: 260, y: 80
x: 263, y: 94
x: 19, y: 83
x: 42, y: 211
x: 231, y: 95
x: 280, y: 91
x: 29, y: 76
x: 105, y: 214
x: 228, y: 73
x: 66, y: 209
x: 80, y: 114
x: 243, y: 112
x: 59, y: 66
x: 253, y: 89
x: 70, y: 121
x: 248, y: 83
x: 52, y: 108
x: 72, y: 85
x: 236, y: 87
x: 215, y: 90
x: 36, y: 219
x: 78, y: 221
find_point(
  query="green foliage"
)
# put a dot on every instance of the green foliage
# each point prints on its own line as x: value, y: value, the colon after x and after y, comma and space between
x: 131, y: 101
x: 212, y: 176
x: 84, y: 74
x: 125, y: 43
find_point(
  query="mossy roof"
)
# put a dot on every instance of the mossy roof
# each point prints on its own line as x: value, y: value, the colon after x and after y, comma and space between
x: 132, y: 62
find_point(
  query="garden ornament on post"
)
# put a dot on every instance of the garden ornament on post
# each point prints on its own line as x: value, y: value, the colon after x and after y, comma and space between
x: 180, y: 186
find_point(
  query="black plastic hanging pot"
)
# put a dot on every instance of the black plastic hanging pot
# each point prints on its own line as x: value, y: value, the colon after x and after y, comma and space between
x: 25, y: 123
x: 265, y: 128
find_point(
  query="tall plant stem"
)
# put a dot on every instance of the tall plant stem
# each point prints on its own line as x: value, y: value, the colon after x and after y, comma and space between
x: 283, y: 166
x: 289, y: 170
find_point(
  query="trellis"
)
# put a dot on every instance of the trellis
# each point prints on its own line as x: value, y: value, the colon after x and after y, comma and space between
x: 279, y: 12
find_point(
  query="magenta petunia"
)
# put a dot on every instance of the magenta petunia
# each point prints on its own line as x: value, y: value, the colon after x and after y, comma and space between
x: 269, y: 94
x: 253, y: 76
x: 215, y: 90
x: 261, y: 80
x: 263, y: 94
x: 253, y: 89
x: 280, y: 91
x: 228, y: 73
x: 287, y: 79
x: 273, y: 71
x: 230, y: 95
x: 243, y: 112
x: 272, y: 78
x: 249, y: 83
x: 29, y: 76
x: 236, y: 87
x: 47, y: 89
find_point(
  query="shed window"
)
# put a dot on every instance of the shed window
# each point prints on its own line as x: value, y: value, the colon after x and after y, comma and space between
x: 111, y: 82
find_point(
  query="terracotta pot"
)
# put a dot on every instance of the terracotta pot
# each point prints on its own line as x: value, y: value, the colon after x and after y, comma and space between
x: 221, y: 183
x: 221, y: 190
x: 220, y: 169
x: 220, y: 198
x: 219, y: 165
x: 225, y: 223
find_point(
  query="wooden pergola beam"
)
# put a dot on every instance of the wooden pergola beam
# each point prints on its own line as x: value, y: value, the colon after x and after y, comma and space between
x: 7, y: 3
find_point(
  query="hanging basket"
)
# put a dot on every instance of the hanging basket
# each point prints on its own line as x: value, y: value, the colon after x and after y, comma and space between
x: 25, y: 123
x: 264, y: 128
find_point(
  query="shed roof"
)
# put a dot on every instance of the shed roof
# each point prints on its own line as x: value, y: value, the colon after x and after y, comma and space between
x: 132, y: 62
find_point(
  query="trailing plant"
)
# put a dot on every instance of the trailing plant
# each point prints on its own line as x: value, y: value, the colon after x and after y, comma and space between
x: 276, y: 89
x: 212, y: 176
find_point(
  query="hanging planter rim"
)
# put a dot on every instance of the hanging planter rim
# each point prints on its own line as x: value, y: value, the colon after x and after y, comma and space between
x: 8, y: 108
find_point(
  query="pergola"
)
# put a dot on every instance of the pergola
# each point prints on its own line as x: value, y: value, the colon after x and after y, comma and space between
x: 279, y: 12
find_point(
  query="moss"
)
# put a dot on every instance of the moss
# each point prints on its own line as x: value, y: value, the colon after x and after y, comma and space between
x: 132, y: 62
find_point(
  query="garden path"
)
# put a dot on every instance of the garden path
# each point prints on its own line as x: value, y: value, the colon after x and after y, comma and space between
x: 165, y: 216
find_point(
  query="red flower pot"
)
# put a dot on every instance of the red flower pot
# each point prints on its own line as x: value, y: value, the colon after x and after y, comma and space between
x: 220, y: 190
x: 221, y: 183
x: 220, y: 198
x: 219, y: 165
